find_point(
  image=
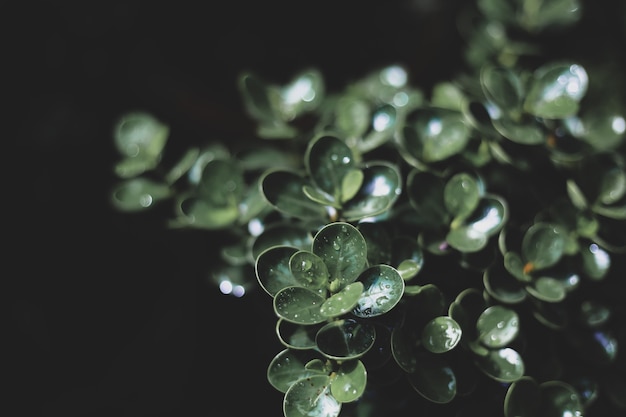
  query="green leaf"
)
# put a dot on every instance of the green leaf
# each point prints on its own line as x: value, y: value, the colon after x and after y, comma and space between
x: 384, y: 288
x: 299, y: 305
x: 345, y: 339
x: 272, y: 269
x: 503, y: 87
x: 200, y: 213
x: 350, y: 382
x: 434, y: 379
x: 435, y: 134
x: 309, y: 271
x: 426, y: 194
x: 283, y: 191
x: 547, y: 289
x: 596, y: 261
x: 497, y: 326
x: 466, y: 239
x: 297, y: 336
x: 502, y: 285
x: 380, y: 189
x: 328, y: 160
x: 522, y: 398
x: 556, y: 90
x: 287, y: 367
x: 558, y: 398
x: 301, y: 95
x: 352, y: 116
x: 524, y: 133
x: 140, y: 135
x: 461, y: 195
x: 311, y: 397
x: 351, y: 184
x: 138, y: 194
x: 281, y: 234
x: 343, y: 301
x: 441, y: 334
x: 503, y: 365
x: 407, y: 256
x: 343, y: 249
x: 221, y: 183
x: 542, y: 246
x: 255, y: 94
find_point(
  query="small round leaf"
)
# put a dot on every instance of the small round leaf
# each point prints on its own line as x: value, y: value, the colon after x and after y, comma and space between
x: 441, y: 334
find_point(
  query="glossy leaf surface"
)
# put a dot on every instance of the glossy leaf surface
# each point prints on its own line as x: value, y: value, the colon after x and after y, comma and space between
x: 287, y: 367
x: 383, y: 289
x: 299, y: 305
x: 343, y: 249
x: 435, y: 134
x: 345, y: 339
x: 283, y: 190
x: 434, y: 379
x: 441, y: 334
x: 311, y: 397
x: 350, y: 382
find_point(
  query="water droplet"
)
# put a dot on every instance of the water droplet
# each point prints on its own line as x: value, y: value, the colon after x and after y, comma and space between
x: 336, y: 246
x: 306, y: 265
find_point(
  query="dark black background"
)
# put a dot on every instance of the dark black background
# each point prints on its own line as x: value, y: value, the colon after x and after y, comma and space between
x: 111, y: 314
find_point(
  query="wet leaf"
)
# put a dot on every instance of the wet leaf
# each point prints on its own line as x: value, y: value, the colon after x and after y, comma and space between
x: 311, y: 397
x: 461, y: 195
x: 287, y: 367
x: 299, y: 305
x: 350, y: 382
x: 556, y: 90
x: 497, y: 326
x: 343, y: 249
x: 283, y: 191
x: 383, y: 289
x: 345, y: 339
x: 328, y: 160
x: 542, y: 246
x: 272, y: 269
x: 379, y: 190
x: 297, y: 336
x: 503, y: 365
x: 343, y: 301
x: 441, y: 334
x: 435, y: 134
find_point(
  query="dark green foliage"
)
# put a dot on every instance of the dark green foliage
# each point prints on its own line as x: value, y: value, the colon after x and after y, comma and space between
x: 465, y: 242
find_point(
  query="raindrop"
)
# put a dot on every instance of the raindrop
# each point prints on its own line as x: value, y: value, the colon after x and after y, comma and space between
x: 336, y: 246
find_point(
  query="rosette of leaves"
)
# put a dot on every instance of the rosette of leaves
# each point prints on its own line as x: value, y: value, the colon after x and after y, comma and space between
x: 598, y: 184
x: 334, y: 186
x: 454, y: 211
x: 543, y: 265
x: 488, y: 331
x: 277, y: 108
x: 422, y: 344
x: 370, y: 111
x: 140, y: 139
x: 522, y: 105
x: 324, y: 298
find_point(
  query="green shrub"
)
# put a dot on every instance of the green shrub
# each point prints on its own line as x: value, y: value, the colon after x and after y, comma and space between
x: 465, y: 242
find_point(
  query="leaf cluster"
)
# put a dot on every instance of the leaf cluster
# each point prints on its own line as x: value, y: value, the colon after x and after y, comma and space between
x: 450, y: 240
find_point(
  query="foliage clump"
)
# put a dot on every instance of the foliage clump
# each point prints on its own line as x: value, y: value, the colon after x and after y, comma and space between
x: 465, y: 242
